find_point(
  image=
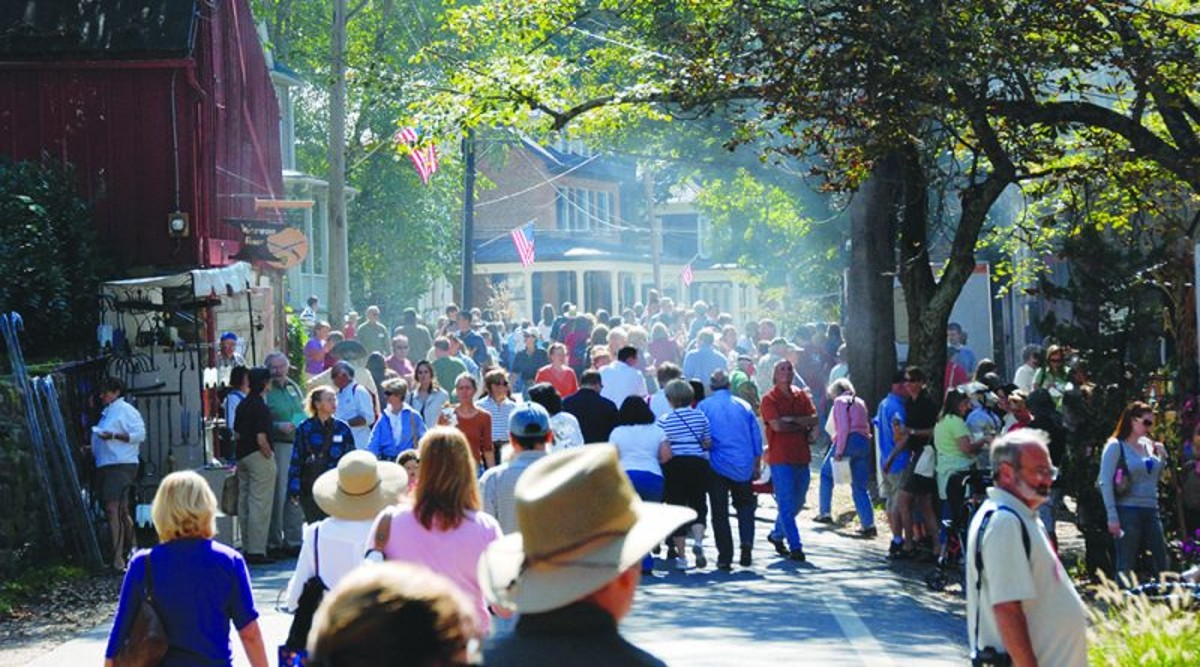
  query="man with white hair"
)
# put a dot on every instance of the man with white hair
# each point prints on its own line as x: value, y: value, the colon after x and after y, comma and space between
x: 1021, y: 605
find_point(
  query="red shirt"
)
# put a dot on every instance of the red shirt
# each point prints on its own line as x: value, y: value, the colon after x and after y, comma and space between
x: 790, y: 447
x: 564, y: 380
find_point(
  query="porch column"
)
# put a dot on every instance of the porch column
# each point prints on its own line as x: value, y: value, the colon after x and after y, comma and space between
x: 615, y: 278
x: 581, y: 290
x: 533, y: 317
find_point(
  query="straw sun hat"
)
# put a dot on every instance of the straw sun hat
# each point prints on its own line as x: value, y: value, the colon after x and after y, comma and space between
x: 581, y: 525
x: 360, y: 487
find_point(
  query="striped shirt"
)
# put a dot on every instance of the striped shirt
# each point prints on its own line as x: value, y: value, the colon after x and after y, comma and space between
x: 686, y: 428
x: 500, y: 413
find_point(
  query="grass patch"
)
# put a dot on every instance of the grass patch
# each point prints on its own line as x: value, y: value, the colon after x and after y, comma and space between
x: 27, y: 586
x: 1128, y: 630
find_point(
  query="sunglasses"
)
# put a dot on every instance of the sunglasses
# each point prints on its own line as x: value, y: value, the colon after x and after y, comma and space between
x: 1147, y: 422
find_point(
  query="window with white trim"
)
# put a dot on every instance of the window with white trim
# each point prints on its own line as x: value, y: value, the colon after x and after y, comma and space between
x: 581, y: 210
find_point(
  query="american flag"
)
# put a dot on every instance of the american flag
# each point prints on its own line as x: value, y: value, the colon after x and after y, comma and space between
x: 523, y: 239
x: 424, y: 158
x: 687, y: 275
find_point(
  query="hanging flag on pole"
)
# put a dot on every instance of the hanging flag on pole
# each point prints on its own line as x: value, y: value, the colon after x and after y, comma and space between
x: 523, y: 239
x: 687, y: 275
x: 424, y: 158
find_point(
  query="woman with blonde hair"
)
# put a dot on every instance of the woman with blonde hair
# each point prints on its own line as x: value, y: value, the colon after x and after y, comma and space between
x: 195, y: 617
x: 444, y: 529
x: 321, y: 440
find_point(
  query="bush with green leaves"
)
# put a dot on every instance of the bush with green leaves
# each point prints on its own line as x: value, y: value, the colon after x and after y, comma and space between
x: 48, y: 257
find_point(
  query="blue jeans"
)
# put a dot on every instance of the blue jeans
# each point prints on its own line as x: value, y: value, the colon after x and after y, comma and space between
x: 858, y: 450
x: 791, y: 488
x: 1143, y: 530
x: 743, y: 503
x: 649, y: 488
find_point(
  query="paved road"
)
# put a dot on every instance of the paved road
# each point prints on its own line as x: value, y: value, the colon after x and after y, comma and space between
x: 845, y: 606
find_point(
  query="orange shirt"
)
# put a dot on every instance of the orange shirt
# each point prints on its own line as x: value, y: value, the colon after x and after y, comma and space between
x: 789, y: 447
x: 478, y: 430
x: 564, y: 380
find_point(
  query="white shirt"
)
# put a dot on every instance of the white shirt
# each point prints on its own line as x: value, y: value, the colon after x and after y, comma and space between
x: 355, y: 401
x: 1054, y: 613
x: 1023, y: 378
x: 659, y: 404
x: 620, y: 381
x: 638, y: 446
x: 342, y: 546
x: 567, y: 433
x: 118, y: 417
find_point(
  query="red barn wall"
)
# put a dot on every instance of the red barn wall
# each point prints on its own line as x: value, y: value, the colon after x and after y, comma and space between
x: 113, y: 121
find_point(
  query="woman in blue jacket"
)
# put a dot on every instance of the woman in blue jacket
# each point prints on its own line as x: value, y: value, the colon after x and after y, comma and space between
x: 399, y: 427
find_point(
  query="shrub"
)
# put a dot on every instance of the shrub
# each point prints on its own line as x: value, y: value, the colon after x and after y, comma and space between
x: 47, y: 257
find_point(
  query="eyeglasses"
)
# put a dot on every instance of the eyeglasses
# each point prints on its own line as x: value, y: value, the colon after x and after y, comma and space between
x: 1147, y: 422
x: 1055, y: 360
x: 502, y: 383
x: 399, y: 347
x: 1043, y: 471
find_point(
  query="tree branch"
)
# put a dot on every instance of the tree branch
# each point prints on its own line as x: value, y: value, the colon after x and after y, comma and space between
x: 1145, y: 142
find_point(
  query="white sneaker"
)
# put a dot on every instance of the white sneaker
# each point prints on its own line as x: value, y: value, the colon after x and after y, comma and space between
x: 681, y: 563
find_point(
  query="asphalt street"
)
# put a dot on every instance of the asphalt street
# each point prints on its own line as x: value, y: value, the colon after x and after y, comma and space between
x: 845, y: 606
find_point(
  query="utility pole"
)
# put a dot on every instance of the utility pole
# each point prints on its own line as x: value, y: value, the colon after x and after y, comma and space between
x: 655, y: 225
x: 468, y: 226
x: 339, y: 243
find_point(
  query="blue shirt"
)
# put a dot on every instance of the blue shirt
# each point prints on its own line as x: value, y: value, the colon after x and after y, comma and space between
x: 311, y: 439
x: 701, y: 362
x: 199, y: 587
x: 384, y: 444
x: 890, y: 407
x: 736, y: 438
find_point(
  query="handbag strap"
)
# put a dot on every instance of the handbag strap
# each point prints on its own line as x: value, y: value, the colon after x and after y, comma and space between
x: 148, y: 588
x: 383, y: 531
x: 317, y: 550
x: 412, y: 427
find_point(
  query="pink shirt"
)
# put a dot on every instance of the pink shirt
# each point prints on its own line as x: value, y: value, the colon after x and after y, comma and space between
x: 849, y: 416
x: 454, y: 553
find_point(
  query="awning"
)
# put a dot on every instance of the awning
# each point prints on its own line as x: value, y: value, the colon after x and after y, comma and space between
x: 226, y: 280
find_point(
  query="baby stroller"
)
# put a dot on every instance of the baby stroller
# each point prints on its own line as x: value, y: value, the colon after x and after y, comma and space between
x: 966, y: 490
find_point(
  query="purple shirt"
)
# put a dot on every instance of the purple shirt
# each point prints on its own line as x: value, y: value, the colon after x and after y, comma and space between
x: 314, y: 356
x: 199, y: 587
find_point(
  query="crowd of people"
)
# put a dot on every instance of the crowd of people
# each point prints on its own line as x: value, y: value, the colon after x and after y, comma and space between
x: 468, y: 455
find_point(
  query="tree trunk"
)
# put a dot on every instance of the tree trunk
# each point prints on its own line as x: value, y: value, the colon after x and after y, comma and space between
x: 339, y: 245
x: 870, y: 307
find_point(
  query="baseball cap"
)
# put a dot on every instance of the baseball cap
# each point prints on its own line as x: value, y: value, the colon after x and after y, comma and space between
x: 229, y: 335
x: 529, y: 420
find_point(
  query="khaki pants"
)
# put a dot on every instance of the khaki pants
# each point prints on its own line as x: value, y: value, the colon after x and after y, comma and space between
x: 287, y: 523
x: 256, y: 495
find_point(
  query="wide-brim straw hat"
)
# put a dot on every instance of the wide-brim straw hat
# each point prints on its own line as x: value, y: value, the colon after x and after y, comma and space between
x: 360, y: 487
x: 581, y: 526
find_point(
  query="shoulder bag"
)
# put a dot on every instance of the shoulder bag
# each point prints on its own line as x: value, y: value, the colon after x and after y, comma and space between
x: 1122, y: 481
x: 146, y: 644
x: 294, y: 651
